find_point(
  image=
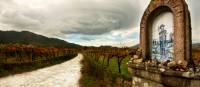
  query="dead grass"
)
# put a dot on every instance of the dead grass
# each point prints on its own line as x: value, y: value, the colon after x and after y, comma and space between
x: 99, y: 74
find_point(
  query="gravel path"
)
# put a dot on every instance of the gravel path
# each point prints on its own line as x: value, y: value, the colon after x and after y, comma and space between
x: 65, y: 74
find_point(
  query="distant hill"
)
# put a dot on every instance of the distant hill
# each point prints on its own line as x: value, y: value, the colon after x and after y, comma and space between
x: 26, y: 37
x: 135, y: 46
x: 196, y: 45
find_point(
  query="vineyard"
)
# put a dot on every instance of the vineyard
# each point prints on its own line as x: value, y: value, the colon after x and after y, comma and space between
x: 102, y: 66
x: 18, y: 58
x: 105, y: 67
x: 196, y: 56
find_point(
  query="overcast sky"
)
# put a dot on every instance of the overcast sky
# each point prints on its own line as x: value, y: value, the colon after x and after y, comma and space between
x: 84, y: 22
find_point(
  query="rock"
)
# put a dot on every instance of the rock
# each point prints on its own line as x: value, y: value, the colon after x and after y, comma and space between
x: 162, y: 69
x: 135, y: 57
x: 166, y: 62
x: 137, y: 65
x: 177, y: 69
x: 137, y: 61
x: 197, y: 70
x: 182, y: 70
x: 188, y: 74
x: 171, y: 64
x: 153, y: 63
x: 159, y: 65
x: 183, y: 64
x: 191, y: 70
x: 131, y: 59
x: 127, y: 63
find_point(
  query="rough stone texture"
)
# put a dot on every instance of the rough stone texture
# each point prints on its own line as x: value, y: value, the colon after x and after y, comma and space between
x: 141, y: 82
x: 152, y: 77
x: 182, y: 27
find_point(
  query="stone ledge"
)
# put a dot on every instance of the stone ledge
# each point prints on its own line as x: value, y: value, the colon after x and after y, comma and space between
x: 164, y: 77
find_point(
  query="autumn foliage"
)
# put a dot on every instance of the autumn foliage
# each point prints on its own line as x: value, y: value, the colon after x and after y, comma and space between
x: 106, y: 67
x: 16, y: 53
x: 19, y: 58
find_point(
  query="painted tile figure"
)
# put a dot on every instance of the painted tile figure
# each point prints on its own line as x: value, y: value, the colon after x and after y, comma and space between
x: 162, y: 40
x: 162, y: 48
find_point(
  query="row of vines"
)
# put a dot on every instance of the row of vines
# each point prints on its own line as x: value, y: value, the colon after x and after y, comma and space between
x: 18, y: 58
x: 15, y: 53
x: 106, y: 67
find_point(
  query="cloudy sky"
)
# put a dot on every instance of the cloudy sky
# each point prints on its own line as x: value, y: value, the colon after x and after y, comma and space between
x: 84, y: 22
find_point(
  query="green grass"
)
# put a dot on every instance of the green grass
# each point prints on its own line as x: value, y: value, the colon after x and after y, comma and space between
x: 124, y: 68
x: 99, y: 74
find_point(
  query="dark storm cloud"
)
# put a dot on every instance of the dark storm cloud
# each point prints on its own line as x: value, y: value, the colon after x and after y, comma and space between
x: 195, y: 14
x: 195, y: 19
x: 91, y: 17
x: 65, y: 18
x: 105, y: 18
x: 20, y: 20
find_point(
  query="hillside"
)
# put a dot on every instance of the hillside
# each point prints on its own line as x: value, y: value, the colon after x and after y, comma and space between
x: 26, y: 37
x: 135, y: 46
x: 196, y: 45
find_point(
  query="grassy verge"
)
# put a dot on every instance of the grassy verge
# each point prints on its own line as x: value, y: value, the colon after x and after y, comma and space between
x: 98, y: 73
x: 16, y: 68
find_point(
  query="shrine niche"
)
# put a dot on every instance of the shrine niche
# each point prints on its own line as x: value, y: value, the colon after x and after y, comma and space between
x: 162, y: 37
x: 173, y: 38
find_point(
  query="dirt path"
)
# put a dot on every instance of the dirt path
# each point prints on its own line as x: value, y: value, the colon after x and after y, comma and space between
x: 65, y: 74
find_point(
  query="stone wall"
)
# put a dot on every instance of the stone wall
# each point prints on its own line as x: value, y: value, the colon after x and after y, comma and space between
x: 153, y: 77
x: 156, y: 74
x: 142, y: 82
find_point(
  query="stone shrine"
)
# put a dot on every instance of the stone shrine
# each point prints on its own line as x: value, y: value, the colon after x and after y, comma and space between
x: 181, y: 30
x: 164, y: 58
